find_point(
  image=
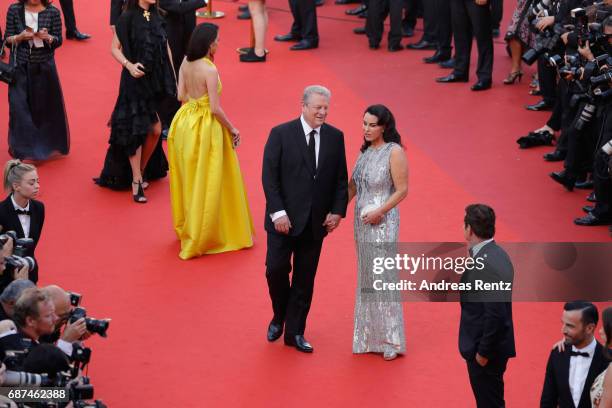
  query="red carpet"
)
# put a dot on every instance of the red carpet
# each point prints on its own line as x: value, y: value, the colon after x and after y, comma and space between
x: 191, y: 334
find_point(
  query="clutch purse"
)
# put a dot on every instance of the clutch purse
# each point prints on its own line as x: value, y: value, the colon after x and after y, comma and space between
x: 7, y: 70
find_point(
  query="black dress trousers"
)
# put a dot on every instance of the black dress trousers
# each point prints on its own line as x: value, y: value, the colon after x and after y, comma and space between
x: 304, y: 20
x: 488, y: 382
x: 497, y: 13
x: 471, y: 20
x: 377, y: 13
x: 69, y: 18
x: 444, y: 27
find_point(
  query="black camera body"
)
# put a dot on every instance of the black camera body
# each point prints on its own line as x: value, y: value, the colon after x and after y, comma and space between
x: 545, y: 43
x: 93, y: 325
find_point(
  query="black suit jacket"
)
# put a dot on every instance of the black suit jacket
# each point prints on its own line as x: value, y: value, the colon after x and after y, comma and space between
x: 180, y: 21
x: 10, y: 222
x: 556, y: 391
x: 486, y: 325
x: 116, y: 8
x: 290, y: 184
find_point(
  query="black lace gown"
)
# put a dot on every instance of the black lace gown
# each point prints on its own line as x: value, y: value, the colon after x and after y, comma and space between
x: 136, y: 110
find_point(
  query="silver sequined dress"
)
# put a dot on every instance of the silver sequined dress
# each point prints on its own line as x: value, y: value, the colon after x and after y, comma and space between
x: 379, y: 320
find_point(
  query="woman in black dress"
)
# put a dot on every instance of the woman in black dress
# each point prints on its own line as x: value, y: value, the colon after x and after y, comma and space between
x: 38, y: 128
x: 141, y: 47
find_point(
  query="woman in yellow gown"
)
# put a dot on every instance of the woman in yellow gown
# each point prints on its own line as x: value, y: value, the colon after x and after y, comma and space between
x: 210, y: 211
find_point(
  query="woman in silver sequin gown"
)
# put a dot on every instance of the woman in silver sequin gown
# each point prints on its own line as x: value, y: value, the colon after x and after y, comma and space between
x: 379, y: 182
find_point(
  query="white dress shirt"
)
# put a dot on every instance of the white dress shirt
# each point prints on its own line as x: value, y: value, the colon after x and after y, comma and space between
x: 23, y: 218
x: 579, y: 369
x: 317, y: 139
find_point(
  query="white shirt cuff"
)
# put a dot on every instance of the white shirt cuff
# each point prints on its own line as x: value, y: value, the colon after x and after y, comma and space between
x: 65, y: 347
x: 275, y: 216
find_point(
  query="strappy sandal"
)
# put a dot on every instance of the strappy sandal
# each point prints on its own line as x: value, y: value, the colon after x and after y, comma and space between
x: 139, y: 197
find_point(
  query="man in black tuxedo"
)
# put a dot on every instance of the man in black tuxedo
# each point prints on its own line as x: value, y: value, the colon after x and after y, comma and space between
x: 486, y: 330
x: 27, y: 220
x: 72, y: 33
x: 305, y: 183
x: 304, y: 29
x: 570, y: 373
x: 472, y: 18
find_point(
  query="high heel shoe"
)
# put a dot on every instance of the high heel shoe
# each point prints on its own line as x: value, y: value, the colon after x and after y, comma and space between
x: 512, y: 77
x: 139, y: 197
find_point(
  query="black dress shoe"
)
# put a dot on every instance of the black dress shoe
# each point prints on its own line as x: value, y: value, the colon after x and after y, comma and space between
x: 373, y: 45
x: 555, y: 156
x: 588, y: 208
x: 591, y: 197
x: 358, y: 10
x: 77, y: 35
x: 590, y: 220
x: 584, y: 185
x: 481, y: 86
x: 434, y: 59
x: 286, y: 38
x: 564, y: 179
x: 347, y: 1
x: 448, y: 64
x: 359, y: 30
x: 408, y: 32
x: 422, y: 45
x: 299, y: 342
x: 250, y: 56
x: 245, y: 15
x: 304, y: 45
x: 275, y: 330
x: 319, y: 3
x: 451, y: 78
x: 395, y: 47
x: 540, y: 106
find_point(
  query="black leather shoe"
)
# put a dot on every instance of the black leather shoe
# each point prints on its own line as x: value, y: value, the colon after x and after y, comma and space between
x: 591, y: 198
x: 245, y: 15
x: 555, y: 156
x: 250, y: 56
x: 373, y: 45
x: 77, y: 35
x: 590, y: 220
x: 448, y: 64
x: 319, y: 3
x: 359, y: 30
x: 304, y: 45
x: 434, y: 59
x: 347, y: 1
x: 481, y: 86
x: 588, y: 208
x: 286, y: 38
x: 395, y: 47
x: 564, y: 179
x: 422, y: 45
x: 275, y: 330
x: 451, y: 78
x: 408, y: 32
x: 540, y: 106
x: 584, y: 185
x: 299, y: 342
x: 356, y: 11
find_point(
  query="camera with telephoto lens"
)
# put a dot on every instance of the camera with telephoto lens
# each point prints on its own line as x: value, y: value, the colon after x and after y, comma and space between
x: 18, y: 259
x: 14, y: 376
x: 93, y: 325
x: 545, y: 43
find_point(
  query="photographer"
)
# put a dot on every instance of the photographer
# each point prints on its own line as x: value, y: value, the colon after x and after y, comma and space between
x: 73, y: 332
x: 34, y: 315
x: 20, y: 212
x: 9, y: 297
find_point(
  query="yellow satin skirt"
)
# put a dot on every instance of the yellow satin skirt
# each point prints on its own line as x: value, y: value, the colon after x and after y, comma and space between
x: 210, y: 211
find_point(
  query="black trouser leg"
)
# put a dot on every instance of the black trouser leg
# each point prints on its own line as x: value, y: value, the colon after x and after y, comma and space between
x: 488, y: 383
x: 430, y: 22
x: 547, y: 78
x: 278, y: 267
x: 445, y: 28
x: 395, y: 18
x: 462, y: 31
x: 480, y: 17
x: 377, y: 12
x: 555, y: 120
x: 410, y: 15
x: 69, y: 18
x: 296, y: 26
x: 308, y: 13
x: 497, y: 13
x: 603, y: 185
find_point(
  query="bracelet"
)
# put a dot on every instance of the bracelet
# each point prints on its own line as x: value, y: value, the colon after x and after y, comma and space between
x: 125, y: 62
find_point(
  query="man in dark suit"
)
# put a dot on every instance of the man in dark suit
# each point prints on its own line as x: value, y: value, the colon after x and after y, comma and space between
x: 304, y: 29
x: 570, y: 373
x: 486, y: 330
x: 472, y: 18
x: 305, y: 182
x: 72, y: 33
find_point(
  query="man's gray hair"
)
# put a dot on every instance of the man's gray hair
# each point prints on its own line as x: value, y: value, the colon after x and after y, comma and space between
x: 14, y: 290
x: 315, y: 89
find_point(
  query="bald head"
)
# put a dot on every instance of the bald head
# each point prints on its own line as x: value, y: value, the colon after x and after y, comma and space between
x: 61, y: 300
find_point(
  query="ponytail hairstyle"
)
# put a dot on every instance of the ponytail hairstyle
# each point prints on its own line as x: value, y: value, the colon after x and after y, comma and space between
x: 14, y: 170
x: 385, y: 119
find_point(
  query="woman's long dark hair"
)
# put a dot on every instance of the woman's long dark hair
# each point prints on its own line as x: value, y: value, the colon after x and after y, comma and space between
x: 201, y: 39
x: 43, y: 2
x: 132, y: 4
x: 385, y: 119
x: 606, y: 321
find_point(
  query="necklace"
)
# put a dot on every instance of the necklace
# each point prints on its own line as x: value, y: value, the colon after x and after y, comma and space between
x: 147, y: 15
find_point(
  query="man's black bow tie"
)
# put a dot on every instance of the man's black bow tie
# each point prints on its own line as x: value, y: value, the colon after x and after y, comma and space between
x: 579, y: 354
x: 22, y: 212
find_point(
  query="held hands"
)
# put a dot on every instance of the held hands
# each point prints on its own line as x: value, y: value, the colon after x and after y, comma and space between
x: 282, y: 225
x: 74, y: 331
x: 136, y: 70
x: 332, y: 221
x: 482, y: 361
x: 373, y: 217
